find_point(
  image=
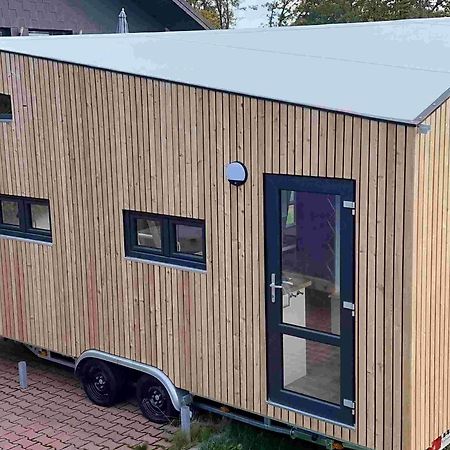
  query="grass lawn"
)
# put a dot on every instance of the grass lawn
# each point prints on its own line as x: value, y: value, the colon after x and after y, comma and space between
x: 212, y: 434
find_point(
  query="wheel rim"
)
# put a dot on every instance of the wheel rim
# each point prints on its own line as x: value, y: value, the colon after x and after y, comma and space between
x: 154, y: 402
x: 98, y: 385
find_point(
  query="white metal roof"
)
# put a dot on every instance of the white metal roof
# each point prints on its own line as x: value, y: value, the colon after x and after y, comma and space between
x: 389, y: 70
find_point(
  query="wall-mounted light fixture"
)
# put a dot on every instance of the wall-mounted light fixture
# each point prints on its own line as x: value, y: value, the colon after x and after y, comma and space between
x: 236, y: 173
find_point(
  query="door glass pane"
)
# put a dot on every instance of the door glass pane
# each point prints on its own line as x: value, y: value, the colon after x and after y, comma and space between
x: 310, y: 260
x: 149, y: 233
x: 312, y: 368
x: 189, y: 239
x: 40, y: 216
x: 10, y: 212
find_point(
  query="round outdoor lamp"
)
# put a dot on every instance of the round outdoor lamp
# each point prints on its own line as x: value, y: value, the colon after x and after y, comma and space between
x: 236, y: 173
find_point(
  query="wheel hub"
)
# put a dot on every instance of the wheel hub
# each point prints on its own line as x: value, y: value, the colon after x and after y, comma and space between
x: 100, y: 382
x: 156, y: 399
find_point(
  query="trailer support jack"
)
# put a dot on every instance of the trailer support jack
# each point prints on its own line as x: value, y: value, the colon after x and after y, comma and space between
x: 186, y: 415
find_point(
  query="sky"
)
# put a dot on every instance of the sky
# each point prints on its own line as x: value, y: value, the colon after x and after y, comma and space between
x: 250, y: 18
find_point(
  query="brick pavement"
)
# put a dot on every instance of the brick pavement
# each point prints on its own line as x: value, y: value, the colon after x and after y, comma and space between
x: 53, y: 413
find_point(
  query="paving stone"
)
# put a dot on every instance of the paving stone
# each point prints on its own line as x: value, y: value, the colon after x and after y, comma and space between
x: 6, y: 445
x: 53, y: 412
x: 57, y: 445
x: 38, y: 446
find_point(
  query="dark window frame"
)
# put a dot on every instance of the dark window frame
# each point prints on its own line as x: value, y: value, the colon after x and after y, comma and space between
x: 25, y: 230
x: 168, y: 253
x: 7, y: 116
x: 4, y: 31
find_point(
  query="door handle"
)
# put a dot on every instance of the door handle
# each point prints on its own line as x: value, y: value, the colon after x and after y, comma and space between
x: 273, y: 288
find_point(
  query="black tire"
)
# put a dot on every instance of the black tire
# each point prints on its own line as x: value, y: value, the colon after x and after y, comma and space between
x: 102, y: 382
x: 154, y: 400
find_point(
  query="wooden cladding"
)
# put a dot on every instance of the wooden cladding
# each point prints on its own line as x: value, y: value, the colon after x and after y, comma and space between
x: 430, y: 401
x: 97, y: 143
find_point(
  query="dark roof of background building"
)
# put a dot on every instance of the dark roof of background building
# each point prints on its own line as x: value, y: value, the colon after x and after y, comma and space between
x: 173, y: 9
x: 98, y: 16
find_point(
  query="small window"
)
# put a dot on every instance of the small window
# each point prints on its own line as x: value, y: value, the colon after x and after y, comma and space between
x: 10, y: 212
x: 5, y: 31
x: 165, y: 239
x: 149, y: 233
x: 26, y: 218
x: 189, y: 239
x: 38, y: 32
x: 40, y: 216
x: 5, y: 108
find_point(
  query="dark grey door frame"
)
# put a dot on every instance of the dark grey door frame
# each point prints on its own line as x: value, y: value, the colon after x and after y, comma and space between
x: 344, y: 413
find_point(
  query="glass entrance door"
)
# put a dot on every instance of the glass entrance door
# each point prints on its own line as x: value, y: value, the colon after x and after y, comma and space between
x: 310, y: 324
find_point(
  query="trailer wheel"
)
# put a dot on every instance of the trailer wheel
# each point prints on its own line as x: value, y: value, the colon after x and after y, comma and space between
x: 154, y: 400
x: 102, y: 382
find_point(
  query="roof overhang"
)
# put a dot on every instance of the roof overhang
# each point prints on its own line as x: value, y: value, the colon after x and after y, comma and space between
x: 365, y: 70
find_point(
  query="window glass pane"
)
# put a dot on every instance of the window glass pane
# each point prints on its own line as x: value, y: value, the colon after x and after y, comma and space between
x: 10, y: 212
x: 290, y: 217
x: 5, y: 107
x: 38, y: 33
x: 148, y: 233
x: 189, y: 239
x: 40, y: 216
x: 312, y: 368
x: 310, y: 260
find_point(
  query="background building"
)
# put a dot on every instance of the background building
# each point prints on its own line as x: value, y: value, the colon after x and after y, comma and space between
x: 31, y: 17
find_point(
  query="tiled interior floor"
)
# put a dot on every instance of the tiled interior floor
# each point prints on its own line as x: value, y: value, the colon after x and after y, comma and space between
x: 319, y: 382
x: 53, y: 413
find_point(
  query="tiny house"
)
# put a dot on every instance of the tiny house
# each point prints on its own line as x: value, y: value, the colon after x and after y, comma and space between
x: 257, y: 218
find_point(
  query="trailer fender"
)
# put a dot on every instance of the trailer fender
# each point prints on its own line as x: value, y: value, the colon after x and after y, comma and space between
x: 176, y: 395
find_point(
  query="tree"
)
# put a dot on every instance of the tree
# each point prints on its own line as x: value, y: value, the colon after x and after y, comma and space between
x: 281, y: 12
x: 220, y: 13
x: 311, y: 12
x: 327, y: 11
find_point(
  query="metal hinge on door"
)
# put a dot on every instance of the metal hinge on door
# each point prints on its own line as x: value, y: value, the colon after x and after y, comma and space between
x: 350, y: 404
x: 349, y: 205
x: 350, y: 306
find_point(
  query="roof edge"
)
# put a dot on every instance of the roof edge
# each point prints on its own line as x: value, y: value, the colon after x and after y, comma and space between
x: 189, y: 10
x: 432, y: 108
x: 407, y: 122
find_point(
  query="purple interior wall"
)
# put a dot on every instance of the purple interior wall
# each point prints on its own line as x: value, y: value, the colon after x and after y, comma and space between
x: 316, y: 224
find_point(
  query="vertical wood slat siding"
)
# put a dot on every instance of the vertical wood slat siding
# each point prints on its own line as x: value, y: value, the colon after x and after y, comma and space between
x: 431, y: 289
x: 96, y: 142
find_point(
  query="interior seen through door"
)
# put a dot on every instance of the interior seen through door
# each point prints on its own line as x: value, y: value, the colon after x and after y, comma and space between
x: 311, y: 291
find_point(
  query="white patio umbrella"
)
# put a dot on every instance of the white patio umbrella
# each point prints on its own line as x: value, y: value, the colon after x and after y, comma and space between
x: 122, y: 25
